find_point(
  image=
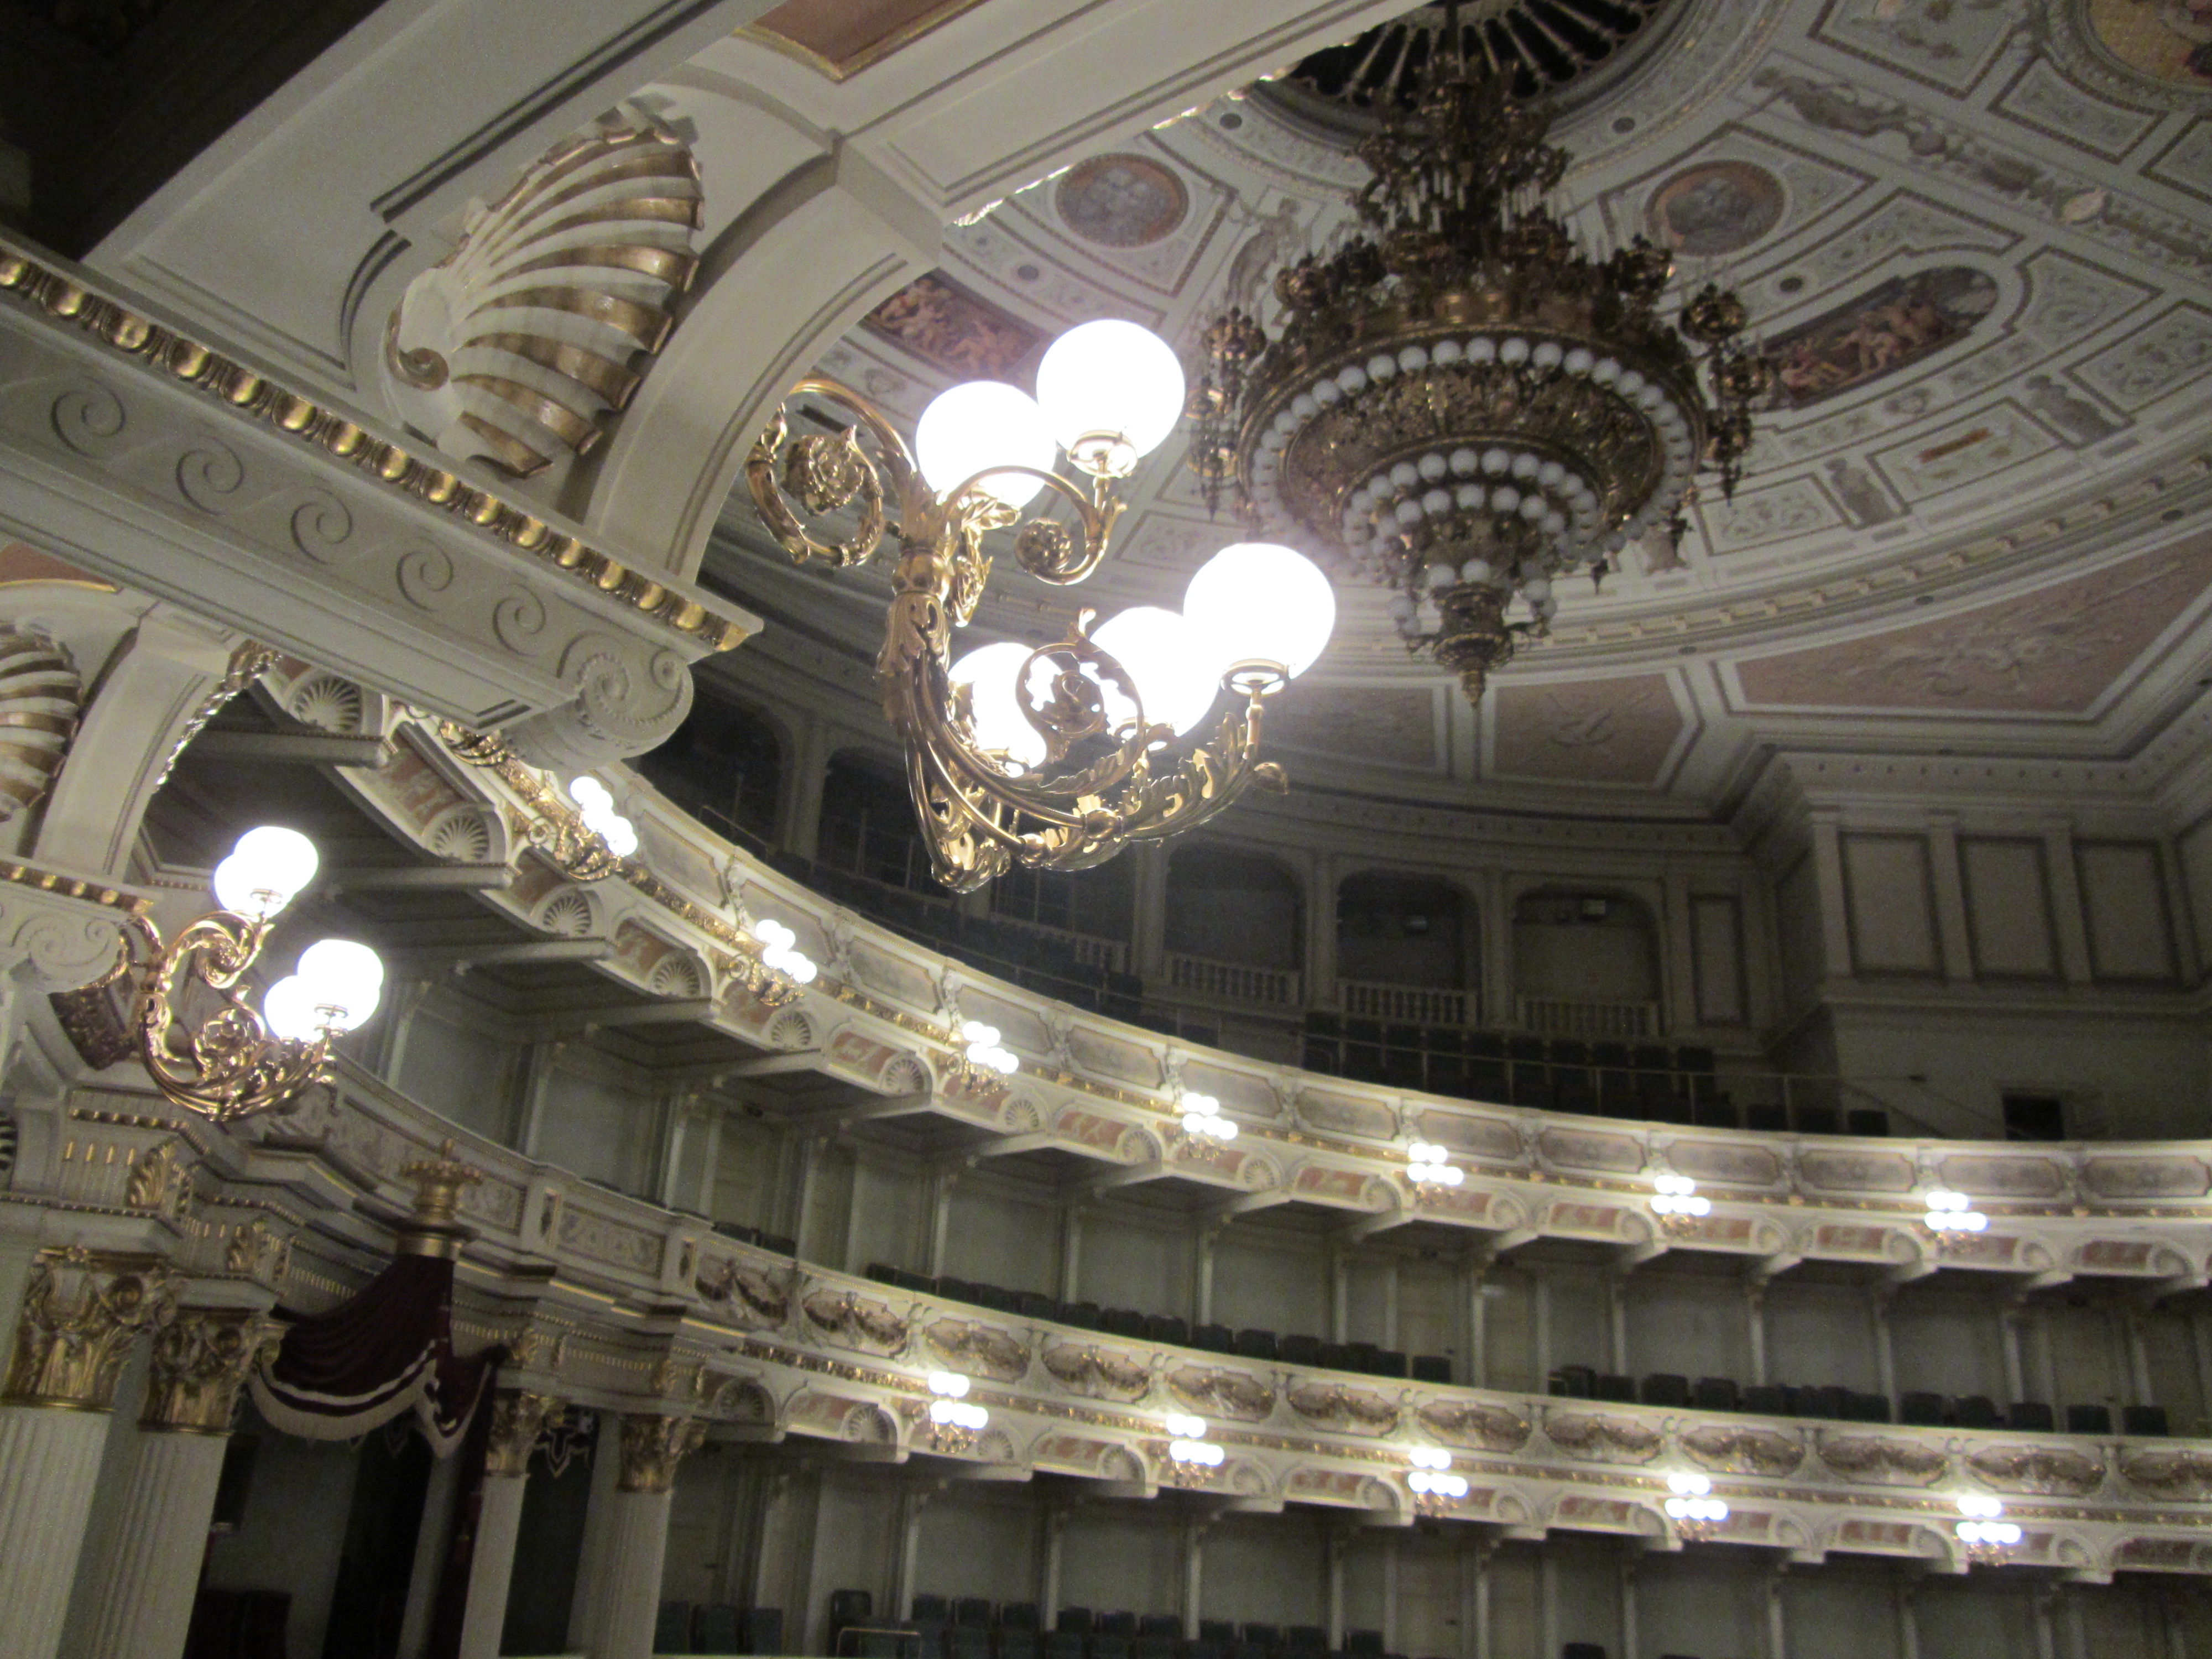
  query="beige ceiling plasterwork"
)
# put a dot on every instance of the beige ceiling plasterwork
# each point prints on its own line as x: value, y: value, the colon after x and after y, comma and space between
x: 1616, y: 731
x: 2055, y: 651
x: 1378, y: 725
x: 841, y: 37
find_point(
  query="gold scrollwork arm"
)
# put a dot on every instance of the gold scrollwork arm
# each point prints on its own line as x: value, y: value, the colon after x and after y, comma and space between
x: 228, y: 1065
x: 825, y: 472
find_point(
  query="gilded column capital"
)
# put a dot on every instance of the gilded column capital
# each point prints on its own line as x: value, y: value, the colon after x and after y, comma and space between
x: 653, y: 1445
x: 518, y: 1417
x: 81, y: 1313
x: 201, y: 1361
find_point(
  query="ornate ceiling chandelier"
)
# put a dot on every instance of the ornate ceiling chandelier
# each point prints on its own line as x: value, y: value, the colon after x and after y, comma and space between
x: 1052, y: 758
x: 1463, y: 405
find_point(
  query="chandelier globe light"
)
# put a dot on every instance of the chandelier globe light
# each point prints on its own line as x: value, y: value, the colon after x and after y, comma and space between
x: 203, y: 1043
x: 1051, y: 756
x: 1461, y: 404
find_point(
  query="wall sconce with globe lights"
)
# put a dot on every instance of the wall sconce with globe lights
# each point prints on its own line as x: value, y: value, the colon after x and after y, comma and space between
x: 1204, y: 1126
x: 982, y: 1056
x: 1435, y: 1489
x: 591, y: 845
x: 1192, y: 1458
x: 1053, y: 757
x: 780, y: 955
x: 232, y: 1062
x: 1950, y: 1215
x: 1676, y: 1202
x: 1430, y: 1170
x: 953, y: 1422
x: 1692, y: 1506
x: 1985, y: 1536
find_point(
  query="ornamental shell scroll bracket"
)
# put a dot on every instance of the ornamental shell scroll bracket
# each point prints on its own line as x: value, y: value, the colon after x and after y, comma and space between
x: 40, y: 698
x: 517, y: 348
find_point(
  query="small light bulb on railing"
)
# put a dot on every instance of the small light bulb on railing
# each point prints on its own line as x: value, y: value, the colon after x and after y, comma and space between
x: 1976, y: 1507
x: 984, y: 1051
x: 1948, y: 1213
x: 948, y: 1385
x: 778, y: 955
x: 266, y: 871
x: 940, y: 1411
x: 1184, y: 1426
x: 1688, y: 1485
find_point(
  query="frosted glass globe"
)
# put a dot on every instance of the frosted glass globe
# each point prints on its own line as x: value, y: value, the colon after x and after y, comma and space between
x: 264, y: 872
x: 1167, y: 661
x: 1113, y: 377
x: 1255, y: 601
x: 345, y: 976
x: 989, y: 670
x: 978, y: 425
x: 290, y: 1010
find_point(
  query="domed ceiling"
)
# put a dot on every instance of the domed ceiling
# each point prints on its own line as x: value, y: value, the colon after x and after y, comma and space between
x: 1976, y: 233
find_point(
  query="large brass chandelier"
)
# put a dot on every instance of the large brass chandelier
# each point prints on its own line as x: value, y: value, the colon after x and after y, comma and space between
x: 1463, y: 405
x: 1057, y: 756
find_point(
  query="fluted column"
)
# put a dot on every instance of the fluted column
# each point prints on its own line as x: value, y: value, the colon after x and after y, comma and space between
x: 634, y: 1540
x: 516, y: 1420
x: 82, y: 1315
x: 142, y: 1590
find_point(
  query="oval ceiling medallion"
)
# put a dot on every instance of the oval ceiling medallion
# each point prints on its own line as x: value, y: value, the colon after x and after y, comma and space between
x: 1122, y: 200
x: 1717, y: 208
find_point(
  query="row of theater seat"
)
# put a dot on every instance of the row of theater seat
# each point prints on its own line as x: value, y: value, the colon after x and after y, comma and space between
x: 971, y: 1627
x: 1174, y: 1331
x: 1915, y: 1407
x: 717, y: 1627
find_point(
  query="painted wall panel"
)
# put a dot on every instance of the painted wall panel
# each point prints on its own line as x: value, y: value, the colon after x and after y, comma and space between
x: 1886, y: 885
x: 2008, y: 908
x: 2124, y: 899
x: 1717, y: 947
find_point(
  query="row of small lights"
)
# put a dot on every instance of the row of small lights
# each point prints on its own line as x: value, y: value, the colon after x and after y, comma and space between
x: 1430, y: 1477
x: 595, y: 806
x: 1690, y: 1495
x: 949, y: 1408
x: 1201, y: 1116
x: 1693, y: 1500
x: 985, y: 1050
x: 1678, y: 1195
x: 1189, y: 1446
x: 1948, y: 1212
x: 1429, y: 1166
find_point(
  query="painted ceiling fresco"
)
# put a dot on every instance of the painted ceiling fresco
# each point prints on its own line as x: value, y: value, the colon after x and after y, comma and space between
x: 1977, y: 233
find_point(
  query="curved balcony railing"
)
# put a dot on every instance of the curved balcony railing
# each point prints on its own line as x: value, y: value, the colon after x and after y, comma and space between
x: 649, y: 1310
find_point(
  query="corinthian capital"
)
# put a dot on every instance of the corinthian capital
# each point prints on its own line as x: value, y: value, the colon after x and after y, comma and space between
x: 201, y: 1361
x: 517, y: 1419
x: 81, y: 1313
x: 652, y: 1447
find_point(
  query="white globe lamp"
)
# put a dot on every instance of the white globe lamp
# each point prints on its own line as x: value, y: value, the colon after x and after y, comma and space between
x: 970, y: 428
x: 1256, y: 601
x: 1111, y: 391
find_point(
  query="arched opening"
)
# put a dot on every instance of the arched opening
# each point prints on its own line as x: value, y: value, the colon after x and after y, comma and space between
x: 1097, y: 904
x: 1236, y: 926
x: 1585, y: 965
x: 724, y: 767
x: 1407, y: 948
x: 867, y: 827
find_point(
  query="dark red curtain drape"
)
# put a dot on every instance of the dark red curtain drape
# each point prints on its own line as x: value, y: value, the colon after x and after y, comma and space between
x: 389, y: 1350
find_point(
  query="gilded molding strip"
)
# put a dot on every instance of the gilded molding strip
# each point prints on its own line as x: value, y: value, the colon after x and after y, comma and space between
x: 73, y: 887
x: 261, y: 398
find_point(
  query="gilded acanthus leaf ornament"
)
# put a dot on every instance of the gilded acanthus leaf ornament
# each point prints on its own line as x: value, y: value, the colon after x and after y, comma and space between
x: 201, y: 1360
x: 1110, y: 774
x: 653, y: 1445
x: 82, y: 1312
x: 518, y: 1418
